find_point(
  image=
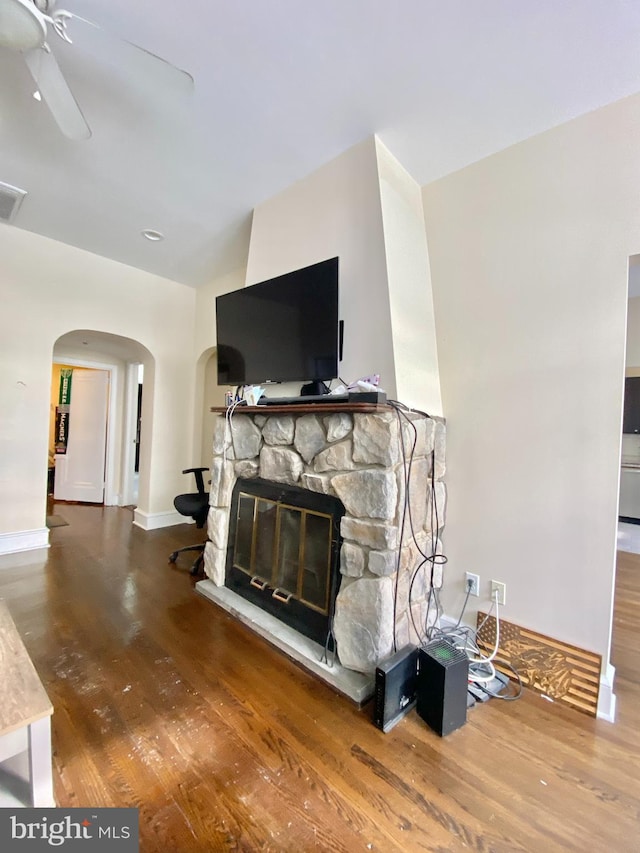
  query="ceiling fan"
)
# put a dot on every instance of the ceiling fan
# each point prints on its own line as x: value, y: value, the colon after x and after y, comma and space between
x: 24, y: 27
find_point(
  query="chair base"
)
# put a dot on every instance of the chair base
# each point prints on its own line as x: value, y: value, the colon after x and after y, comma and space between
x: 197, y: 566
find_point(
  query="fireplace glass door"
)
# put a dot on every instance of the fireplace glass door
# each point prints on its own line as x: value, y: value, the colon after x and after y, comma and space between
x: 283, y: 552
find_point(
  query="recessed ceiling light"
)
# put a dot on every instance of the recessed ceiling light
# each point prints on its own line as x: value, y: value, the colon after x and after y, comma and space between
x: 150, y: 234
x: 37, y: 95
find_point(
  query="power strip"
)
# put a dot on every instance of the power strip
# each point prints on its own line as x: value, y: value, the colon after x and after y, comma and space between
x: 482, y: 692
x: 477, y: 692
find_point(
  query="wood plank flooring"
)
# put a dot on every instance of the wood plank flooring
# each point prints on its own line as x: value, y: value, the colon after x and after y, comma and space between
x: 164, y: 702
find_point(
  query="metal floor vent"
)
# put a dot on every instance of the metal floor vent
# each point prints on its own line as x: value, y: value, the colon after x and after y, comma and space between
x: 10, y: 201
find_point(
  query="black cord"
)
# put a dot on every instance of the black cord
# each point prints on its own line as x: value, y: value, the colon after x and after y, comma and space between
x: 406, y: 408
x: 432, y: 559
x: 464, y: 606
x: 415, y: 628
x: 402, y: 524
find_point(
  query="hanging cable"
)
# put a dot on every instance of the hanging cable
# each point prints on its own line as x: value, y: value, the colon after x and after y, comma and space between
x: 431, y: 559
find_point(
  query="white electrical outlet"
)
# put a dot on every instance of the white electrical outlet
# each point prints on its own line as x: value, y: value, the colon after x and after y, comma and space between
x: 474, y: 580
x: 501, y: 589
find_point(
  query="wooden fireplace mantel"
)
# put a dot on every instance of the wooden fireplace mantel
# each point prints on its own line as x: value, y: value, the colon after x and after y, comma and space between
x: 308, y: 409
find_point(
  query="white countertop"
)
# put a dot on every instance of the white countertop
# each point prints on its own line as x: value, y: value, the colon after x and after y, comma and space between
x: 630, y: 464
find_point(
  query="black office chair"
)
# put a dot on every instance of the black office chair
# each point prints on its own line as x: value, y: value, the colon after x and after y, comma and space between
x: 196, y: 506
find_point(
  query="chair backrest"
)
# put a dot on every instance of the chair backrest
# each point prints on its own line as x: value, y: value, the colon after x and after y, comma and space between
x: 197, y: 473
x: 194, y: 504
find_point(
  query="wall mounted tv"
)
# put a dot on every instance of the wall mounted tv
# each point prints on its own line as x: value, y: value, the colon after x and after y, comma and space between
x: 285, y: 329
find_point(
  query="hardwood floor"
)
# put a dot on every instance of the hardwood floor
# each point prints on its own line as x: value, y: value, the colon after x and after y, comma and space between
x: 162, y: 701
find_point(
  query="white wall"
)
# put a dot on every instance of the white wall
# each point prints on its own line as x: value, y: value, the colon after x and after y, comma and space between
x: 335, y: 211
x: 529, y: 252
x: 409, y: 282
x: 48, y: 289
x: 364, y: 207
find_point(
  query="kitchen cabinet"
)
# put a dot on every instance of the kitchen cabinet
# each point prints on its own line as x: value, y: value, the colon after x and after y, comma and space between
x: 629, y: 492
x: 631, y: 420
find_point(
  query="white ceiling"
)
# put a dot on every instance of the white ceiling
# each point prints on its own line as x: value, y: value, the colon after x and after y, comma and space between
x: 281, y: 87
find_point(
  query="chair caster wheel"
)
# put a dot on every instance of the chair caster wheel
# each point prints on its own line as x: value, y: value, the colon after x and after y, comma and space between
x: 173, y: 557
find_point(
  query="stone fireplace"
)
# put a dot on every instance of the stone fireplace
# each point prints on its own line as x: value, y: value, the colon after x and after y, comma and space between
x: 392, y: 508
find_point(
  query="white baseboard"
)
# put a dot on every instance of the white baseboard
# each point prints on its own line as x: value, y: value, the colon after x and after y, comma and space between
x: 24, y: 540
x: 448, y: 622
x: 155, y: 520
x: 606, y: 696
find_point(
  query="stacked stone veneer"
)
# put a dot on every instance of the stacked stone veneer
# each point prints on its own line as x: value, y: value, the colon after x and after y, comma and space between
x: 359, y: 459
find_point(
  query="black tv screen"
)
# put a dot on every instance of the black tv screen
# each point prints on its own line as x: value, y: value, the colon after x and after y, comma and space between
x: 281, y: 330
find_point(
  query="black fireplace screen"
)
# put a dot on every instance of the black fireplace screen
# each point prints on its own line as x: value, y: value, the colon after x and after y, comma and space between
x: 283, y: 553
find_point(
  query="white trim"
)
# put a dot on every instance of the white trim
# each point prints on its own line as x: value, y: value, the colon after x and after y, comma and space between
x: 606, y: 697
x: 40, y: 765
x: 129, y: 436
x: 24, y: 540
x: 450, y: 622
x: 154, y: 520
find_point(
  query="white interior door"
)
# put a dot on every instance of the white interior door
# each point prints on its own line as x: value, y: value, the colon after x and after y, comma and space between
x: 80, y: 472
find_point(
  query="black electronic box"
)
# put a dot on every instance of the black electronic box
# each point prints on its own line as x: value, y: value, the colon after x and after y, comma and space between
x: 395, y: 693
x: 441, y: 691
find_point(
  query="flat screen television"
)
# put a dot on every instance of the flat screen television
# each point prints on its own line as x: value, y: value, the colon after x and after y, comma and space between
x: 285, y: 329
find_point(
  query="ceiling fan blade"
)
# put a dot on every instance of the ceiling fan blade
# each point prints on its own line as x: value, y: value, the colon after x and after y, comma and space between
x: 131, y: 57
x: 56, y: 93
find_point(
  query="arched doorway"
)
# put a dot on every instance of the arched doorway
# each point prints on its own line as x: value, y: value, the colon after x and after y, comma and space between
x: 125, y: 360
x: 208, y: 394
